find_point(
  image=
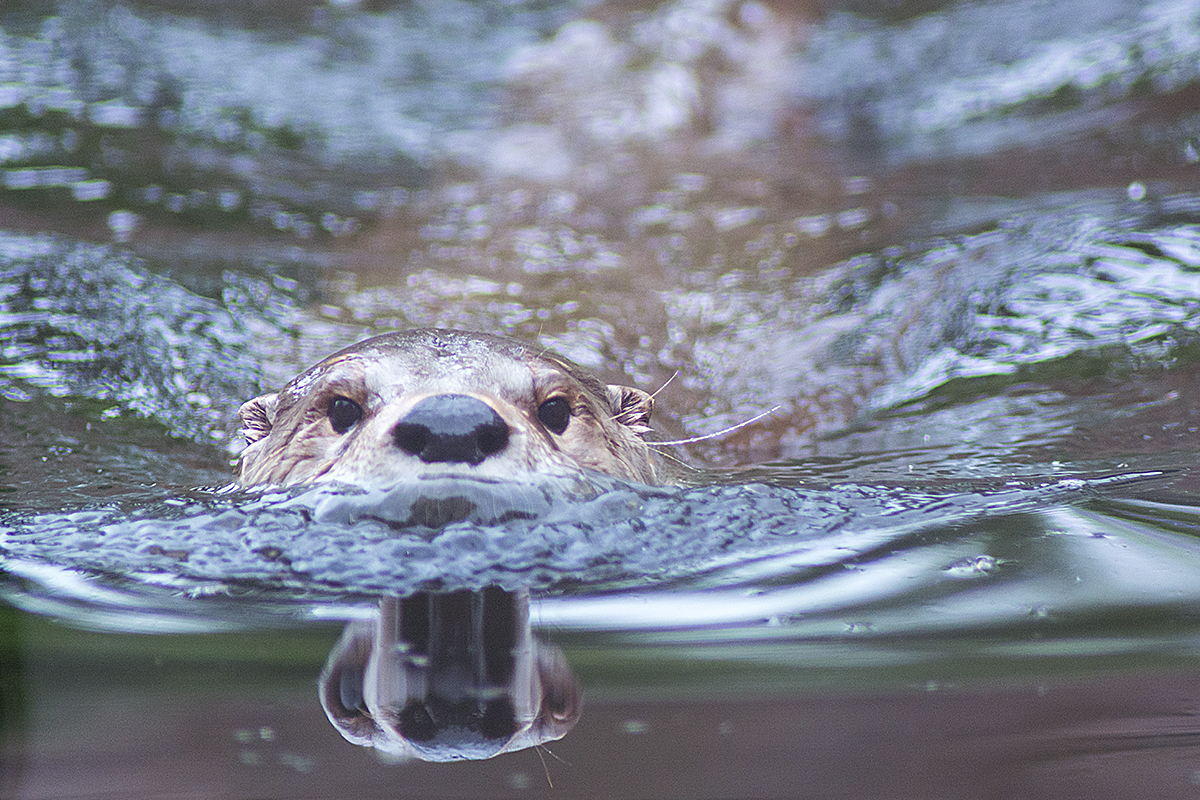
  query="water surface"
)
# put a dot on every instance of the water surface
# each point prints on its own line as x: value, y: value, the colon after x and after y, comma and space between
x: 954, y: 248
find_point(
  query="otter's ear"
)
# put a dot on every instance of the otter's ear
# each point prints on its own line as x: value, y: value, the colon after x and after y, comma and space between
x: 257, y: 416
x: 631, y: 407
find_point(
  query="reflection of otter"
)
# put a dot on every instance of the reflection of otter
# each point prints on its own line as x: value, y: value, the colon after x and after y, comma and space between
x: 442, y: 677
x: 426, y: 402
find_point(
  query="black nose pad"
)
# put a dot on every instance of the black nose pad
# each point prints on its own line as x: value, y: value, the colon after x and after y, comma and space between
x: 451, y: 427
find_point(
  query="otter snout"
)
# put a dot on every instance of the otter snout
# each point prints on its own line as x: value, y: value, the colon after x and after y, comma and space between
x: 434, y: 403
x: 451, y: 428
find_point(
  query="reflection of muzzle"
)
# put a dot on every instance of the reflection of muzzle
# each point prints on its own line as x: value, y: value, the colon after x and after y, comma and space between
x: 451, y: 428
x: 442, y: 677
x: 434, y: 502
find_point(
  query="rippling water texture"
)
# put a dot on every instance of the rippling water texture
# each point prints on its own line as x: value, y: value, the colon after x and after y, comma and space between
x: 457, y: 534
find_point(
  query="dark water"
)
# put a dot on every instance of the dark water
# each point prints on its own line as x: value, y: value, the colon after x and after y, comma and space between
x: 955, y: 247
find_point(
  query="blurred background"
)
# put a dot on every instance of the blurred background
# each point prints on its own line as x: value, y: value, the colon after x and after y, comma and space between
x: 651, y: 188
x: 955, y: 245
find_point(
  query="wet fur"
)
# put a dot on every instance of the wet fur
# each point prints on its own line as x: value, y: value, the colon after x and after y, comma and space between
x: 290, y: 439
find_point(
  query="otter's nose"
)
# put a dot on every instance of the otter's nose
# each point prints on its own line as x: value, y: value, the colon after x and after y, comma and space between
x: 451, y: 427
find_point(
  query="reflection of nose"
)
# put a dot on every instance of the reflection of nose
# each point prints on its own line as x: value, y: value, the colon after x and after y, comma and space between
x: 451, y: 427
x: 423, y: 721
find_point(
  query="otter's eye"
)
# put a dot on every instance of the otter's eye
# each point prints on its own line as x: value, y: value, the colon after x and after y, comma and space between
x: 343, y: 413
x: 555, y: 413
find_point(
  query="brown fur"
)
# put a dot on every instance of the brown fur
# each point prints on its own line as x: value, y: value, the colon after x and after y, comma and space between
x: 291, y: 440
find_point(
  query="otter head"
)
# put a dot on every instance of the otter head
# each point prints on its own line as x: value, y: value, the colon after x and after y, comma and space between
x: 434, y: 402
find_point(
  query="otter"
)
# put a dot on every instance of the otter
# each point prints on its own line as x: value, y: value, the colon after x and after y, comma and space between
x: 432, y: 402
x: 449, y: 676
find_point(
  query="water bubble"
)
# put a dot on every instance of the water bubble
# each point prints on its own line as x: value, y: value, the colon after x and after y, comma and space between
x: 94, y: 189
x: 814, y: 226
x: 973, y: 567
x: 20, y: 178
x: 123, y: 223
x: 856, y: 185
x: 114, y: 114
x: 854, y: 218
x: 366, y: 201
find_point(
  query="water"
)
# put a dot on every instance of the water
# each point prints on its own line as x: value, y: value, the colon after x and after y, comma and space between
x: 952, y: 251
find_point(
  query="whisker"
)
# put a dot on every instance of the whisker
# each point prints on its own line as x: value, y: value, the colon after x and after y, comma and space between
x: 545, y: 769
x: 665, y: 385
x: 539, y: 749
x: 730, y: 429
x: 670, y: 457
x: 538, y: 339
x: 553, y: 755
